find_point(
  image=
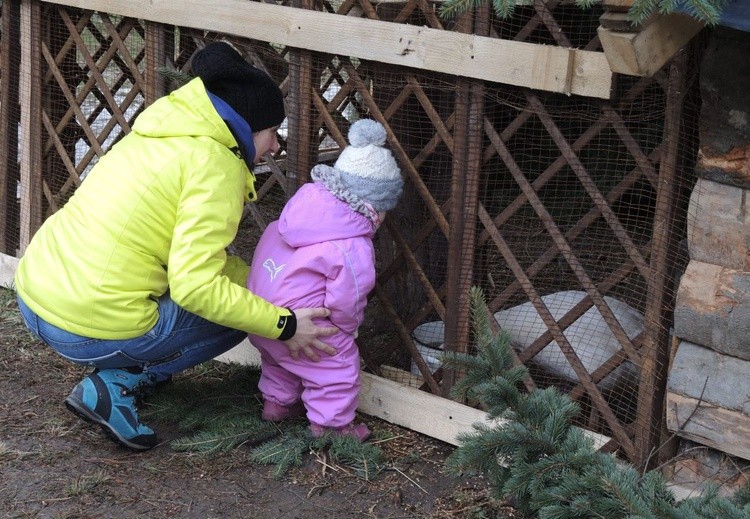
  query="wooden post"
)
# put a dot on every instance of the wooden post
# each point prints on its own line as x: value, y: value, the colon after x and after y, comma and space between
x: 301, y: 145
x: 156, y: 56
x: 9, y: 85
x: 300, y: 139
x: 655, y: 356
x: 467, y: 157
x: 31, y: 121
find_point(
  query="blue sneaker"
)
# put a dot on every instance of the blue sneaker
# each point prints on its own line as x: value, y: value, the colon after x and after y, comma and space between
x: 108, y: 397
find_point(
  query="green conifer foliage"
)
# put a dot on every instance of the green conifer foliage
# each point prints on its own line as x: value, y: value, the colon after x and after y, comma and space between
x: 365, y: 459
x: 284, y: 451
x: 708, y: 11
x: 218, y: 407
x: 549, y: 468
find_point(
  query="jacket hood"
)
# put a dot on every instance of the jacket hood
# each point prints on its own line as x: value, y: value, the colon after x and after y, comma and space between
x: 187, y: 111
x: 190, y: 112
x: 313, y: 215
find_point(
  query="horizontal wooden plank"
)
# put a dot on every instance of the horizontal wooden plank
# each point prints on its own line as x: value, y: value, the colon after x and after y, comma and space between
x: 542, y: 67
x: 424, y: 412
x: 417, y: 410
x: 617, y: 5
x: 707, y: 399
x: 717, y: 379
x: 620, y: 21
x: 402, y: 405
x: 391, y: 401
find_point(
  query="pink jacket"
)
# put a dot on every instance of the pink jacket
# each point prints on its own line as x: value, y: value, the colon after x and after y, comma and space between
x: 318, y: 254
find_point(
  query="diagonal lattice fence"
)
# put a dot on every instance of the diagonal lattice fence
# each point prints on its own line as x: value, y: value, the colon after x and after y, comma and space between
x: 568, y: 211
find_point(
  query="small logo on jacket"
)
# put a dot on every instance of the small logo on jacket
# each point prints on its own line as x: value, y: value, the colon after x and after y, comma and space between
x: 272, y: 268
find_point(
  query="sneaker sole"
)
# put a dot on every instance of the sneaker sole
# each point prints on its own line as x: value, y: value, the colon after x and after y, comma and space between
x: 81, y: 411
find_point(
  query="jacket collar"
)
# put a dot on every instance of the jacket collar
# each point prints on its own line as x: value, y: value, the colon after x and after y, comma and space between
x: 239, y: 127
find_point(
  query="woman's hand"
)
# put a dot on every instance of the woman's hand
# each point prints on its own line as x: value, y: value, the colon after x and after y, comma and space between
x: 306, y: 339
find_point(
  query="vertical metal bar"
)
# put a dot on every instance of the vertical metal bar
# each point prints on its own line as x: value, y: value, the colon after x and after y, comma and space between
x: 9, y: 89
x: 31, y: 122
x: 658, y: 310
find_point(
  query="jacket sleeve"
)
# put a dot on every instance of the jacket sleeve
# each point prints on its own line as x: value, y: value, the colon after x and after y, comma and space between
x: 349, y: 281
x: 236, y: 270
x: 207, y: 218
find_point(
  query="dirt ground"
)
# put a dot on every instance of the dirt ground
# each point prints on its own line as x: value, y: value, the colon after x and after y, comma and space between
x: 53, y: 465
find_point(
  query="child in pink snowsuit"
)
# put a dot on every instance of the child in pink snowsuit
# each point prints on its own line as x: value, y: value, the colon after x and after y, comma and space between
x: 320, y: 253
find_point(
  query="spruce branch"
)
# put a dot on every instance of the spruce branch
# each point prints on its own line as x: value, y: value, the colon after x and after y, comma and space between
x: 365, y: 459
x: 210, y: 440
x: 284, y: 451
x: 550, y: 468
x: 707, y: 11
x: 219, y: 408
x: 742, y: 496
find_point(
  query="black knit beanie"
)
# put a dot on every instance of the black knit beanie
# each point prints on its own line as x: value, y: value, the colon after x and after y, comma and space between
x: 248, y: 90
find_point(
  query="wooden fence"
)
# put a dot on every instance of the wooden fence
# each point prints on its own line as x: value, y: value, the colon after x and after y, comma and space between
x: 532, y: 170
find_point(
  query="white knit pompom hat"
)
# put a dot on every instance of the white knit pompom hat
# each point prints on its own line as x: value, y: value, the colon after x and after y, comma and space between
x: 367, y: 169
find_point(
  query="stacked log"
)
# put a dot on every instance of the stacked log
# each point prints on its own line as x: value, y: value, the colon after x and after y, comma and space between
x: 708, y: 396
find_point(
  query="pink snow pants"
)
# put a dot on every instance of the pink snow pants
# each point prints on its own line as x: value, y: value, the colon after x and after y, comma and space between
x: 329, y: 388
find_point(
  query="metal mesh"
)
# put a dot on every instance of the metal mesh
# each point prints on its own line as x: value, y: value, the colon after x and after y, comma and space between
x: 569, y: 212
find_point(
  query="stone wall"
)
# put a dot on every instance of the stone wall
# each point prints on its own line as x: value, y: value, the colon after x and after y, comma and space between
x: 708, y: 394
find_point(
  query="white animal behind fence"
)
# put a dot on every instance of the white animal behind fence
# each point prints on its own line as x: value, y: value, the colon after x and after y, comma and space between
x: 589, y: 336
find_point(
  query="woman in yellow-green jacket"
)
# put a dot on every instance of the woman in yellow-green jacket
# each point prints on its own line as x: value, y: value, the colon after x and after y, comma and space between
x: 131, y: 275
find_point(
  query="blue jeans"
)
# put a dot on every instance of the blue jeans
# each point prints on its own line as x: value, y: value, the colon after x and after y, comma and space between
x: 178, y: 341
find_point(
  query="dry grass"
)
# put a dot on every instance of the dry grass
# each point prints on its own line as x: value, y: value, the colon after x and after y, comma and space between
x: 54, y: 465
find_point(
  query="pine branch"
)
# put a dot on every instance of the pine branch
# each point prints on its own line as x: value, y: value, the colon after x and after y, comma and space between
x: 550, y: 468
x: 707, y: 11
x: 219, y: 407
x: 284, y: 452
x: 223, y: 440
x: 365, y: 459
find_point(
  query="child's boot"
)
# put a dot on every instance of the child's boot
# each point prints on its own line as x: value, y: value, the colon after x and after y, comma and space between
x: 359, y: 431
x: 273, y: 412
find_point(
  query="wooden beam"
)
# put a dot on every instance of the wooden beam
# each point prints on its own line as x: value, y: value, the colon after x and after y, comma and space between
x: 617, y: 5
x: 424, y: 412
x: 542, y: 67
x: 653, y: 375
x: 405, y: 406
x: 645, y: 52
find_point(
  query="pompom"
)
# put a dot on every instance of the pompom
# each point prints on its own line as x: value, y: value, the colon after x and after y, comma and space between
x: 366, y: 131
